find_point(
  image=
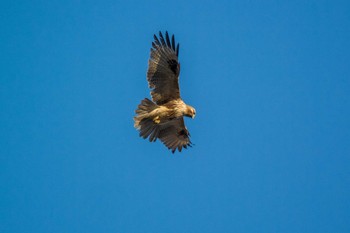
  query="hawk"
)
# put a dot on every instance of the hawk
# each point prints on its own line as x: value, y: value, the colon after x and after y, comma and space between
x: 163, y: 118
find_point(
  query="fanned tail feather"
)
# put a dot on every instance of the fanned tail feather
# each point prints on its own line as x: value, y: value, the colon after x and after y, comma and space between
x: 143, y: 123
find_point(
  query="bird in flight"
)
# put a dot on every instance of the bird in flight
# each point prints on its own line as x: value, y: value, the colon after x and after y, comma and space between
x: 163, y: 118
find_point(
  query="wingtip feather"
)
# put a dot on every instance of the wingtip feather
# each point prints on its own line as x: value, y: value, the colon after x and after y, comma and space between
x: 173, y: 43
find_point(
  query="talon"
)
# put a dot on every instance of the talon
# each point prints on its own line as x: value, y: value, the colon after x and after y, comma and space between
x: 156, y: 120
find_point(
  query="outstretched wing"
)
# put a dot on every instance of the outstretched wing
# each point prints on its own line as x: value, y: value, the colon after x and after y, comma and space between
x: 164, y: 69
x: 175, y: 135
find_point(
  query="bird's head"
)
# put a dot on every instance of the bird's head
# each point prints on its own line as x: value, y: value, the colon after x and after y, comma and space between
x: 190, y: 112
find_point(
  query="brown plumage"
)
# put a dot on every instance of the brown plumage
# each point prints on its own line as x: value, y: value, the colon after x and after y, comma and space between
x: 163, y: 117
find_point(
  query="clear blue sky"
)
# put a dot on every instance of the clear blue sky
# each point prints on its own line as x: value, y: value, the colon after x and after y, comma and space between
x: 271, y: 85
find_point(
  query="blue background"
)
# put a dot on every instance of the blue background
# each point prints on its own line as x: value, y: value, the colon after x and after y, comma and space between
x: 270, y: 83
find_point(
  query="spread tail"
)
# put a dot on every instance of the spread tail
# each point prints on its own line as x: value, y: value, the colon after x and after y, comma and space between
x: 143, y: 122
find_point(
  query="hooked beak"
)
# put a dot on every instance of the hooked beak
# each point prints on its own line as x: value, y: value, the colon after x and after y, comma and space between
x: 193, y: 116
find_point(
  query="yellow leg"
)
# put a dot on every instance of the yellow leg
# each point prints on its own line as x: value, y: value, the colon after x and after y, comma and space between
x: 156, y: 120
